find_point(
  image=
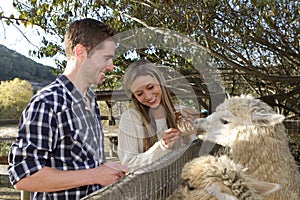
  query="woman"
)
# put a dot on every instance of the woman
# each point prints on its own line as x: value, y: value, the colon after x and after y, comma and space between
x: 148, y: 130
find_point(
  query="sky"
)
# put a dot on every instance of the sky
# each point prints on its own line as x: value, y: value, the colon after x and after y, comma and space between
x: 13, y: 39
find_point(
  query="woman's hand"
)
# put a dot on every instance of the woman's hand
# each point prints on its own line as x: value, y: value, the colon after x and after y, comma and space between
x: 169, y: 137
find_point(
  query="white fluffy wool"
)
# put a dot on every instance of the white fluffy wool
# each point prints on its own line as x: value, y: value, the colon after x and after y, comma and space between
x: 209, y: 177
x: 258, y: 141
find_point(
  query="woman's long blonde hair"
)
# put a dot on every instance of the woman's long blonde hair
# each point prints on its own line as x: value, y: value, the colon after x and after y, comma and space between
x: 144, y: 68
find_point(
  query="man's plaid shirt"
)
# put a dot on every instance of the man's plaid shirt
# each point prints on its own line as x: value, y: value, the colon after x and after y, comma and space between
x: 58, y: 130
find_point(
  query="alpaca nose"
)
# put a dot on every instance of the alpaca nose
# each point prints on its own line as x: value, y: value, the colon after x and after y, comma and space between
x: 198, y: 123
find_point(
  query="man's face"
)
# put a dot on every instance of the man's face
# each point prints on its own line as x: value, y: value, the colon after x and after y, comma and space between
x: 100, y: 62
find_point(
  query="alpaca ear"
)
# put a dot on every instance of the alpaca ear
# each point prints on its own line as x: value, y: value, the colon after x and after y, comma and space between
x: 266, y: 119
x: 220, y: 192
x: 264, y: 188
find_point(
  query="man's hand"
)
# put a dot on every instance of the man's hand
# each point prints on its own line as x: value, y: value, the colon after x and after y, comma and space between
x: 109, y: 173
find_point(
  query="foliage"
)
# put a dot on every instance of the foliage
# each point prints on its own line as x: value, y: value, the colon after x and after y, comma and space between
x: 14, y: 65
x: 4, y: 148
x: 255, y: 44
x: 14, y: 96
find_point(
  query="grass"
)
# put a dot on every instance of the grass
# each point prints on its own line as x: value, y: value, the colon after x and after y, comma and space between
x: 4, y: 148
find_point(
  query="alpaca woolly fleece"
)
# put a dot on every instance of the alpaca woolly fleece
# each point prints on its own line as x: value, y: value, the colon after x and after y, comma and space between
x: 209, y: 178
x: 258, y: 141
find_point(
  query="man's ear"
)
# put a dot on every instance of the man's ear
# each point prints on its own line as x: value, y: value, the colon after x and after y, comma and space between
x: 80, y: 52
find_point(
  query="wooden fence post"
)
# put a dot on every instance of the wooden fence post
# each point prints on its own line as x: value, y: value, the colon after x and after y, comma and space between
x: 25, y: 195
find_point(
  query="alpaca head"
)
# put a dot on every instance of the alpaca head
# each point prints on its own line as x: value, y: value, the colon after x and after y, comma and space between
x: 222, y: 126
x: 219, y: 177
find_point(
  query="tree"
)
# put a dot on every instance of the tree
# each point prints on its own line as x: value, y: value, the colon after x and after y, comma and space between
x: 255, y: 44
x: 14, y: 96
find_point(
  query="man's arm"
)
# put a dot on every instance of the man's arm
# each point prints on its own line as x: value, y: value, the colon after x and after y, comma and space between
x: 50, y: 180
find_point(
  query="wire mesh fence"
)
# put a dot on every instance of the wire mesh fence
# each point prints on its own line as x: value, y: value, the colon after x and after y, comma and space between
x: 157, y: 182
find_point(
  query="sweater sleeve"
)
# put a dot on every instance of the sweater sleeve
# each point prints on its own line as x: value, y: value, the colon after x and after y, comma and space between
x: 130, y: 142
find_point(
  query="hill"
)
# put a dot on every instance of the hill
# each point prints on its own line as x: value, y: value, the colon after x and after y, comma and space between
x: 15, y: 65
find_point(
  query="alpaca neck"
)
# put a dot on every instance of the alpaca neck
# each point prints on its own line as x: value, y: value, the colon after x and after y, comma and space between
x: 256, y: 145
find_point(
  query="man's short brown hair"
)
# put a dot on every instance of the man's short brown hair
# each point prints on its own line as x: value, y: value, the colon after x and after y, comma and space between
x: 89, y: 33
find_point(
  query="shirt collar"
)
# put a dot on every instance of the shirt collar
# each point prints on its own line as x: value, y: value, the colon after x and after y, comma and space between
x: 72, y: 90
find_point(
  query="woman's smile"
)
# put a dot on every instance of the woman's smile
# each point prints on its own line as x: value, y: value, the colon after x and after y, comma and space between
x: 152, y: 100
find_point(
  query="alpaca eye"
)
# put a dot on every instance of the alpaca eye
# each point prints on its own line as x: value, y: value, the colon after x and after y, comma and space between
x: 190, y: 187
x: 187, y: 184
x: 223, y: 121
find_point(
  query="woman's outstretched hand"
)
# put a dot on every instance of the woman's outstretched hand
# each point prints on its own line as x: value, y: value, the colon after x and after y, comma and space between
x: 169, y: 137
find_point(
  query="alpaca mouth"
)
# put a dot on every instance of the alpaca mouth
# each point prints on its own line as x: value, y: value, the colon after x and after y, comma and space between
x: 200, y: 131
x: 198, y: 125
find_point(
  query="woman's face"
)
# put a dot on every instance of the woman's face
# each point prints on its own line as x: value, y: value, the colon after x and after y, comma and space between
x: 147, y: 91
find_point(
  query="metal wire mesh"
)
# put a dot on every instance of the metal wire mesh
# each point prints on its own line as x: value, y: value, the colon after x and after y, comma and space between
x: 157, y: 182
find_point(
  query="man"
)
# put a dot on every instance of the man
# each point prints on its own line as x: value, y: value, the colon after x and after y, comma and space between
x: 59, y: 152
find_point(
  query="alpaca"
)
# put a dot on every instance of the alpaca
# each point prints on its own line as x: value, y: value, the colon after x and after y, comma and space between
x: 212, y: 178
x: 258, y: 141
